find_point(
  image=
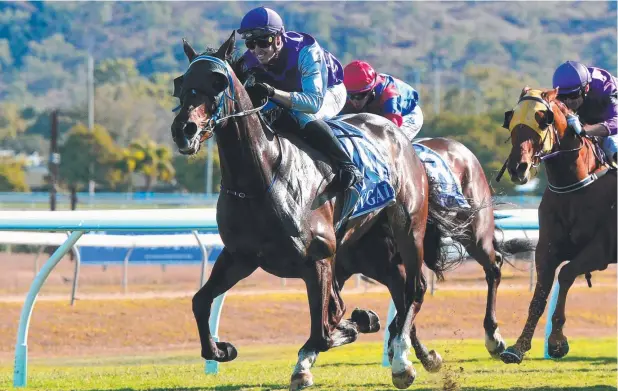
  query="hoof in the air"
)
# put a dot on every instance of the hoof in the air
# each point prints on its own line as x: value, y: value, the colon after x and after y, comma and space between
x: 301, y: 380
x: 366, y: 320
x: 558, y: 350
x: 433, y: 362
x: 229, y: 352
x: 511, y: 356
x: 404, y: 379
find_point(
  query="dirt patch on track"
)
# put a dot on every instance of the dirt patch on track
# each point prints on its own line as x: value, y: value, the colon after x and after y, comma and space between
x: 157, y: 315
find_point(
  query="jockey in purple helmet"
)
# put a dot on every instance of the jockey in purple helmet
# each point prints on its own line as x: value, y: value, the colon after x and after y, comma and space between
x: 592, y: 93
x: 296, y: 73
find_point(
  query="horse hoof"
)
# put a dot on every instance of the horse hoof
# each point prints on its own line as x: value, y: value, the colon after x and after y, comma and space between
x: 433, y: 362
x: 511, y: 356
x: 404, y: 379
x: 366, y: 320
x: 301, y: 380
x: 558, y: 350
x: 498, y: 350
x: 228, y: 350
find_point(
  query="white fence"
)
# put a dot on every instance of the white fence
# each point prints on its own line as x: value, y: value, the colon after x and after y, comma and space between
x: 76, y: 223
x: 129, y: 242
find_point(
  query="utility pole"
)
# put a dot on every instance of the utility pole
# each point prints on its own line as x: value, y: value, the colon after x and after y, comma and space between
x: 54, y: 160
x: 90, y: 91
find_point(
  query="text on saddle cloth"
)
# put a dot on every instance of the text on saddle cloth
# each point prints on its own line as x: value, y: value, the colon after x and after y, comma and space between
x: 375, y: 190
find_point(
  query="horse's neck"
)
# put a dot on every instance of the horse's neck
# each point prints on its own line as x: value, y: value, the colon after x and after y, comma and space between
x: 248, y: 155
x: 571, y: 167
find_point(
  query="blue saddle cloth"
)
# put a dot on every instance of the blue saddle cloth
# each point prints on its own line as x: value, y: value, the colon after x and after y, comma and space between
x: 450, y: 189
x: 375, y: 190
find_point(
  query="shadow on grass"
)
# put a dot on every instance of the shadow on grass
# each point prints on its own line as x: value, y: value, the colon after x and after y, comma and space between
x: 364, y: 387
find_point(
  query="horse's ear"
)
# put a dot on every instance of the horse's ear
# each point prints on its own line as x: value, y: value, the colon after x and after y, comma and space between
x: 189, y: 51
x: 551, y: 94
x: 524, y: 91
x: 226, y: 50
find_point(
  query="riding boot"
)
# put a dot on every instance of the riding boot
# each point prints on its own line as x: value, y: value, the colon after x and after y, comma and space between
x: 321, y: 137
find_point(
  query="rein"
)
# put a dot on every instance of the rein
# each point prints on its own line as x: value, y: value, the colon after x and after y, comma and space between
x: 221, y: 115
x: 555, y: 150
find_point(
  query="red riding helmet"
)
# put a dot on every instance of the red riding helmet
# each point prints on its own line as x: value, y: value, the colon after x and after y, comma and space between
x: 359, y: 76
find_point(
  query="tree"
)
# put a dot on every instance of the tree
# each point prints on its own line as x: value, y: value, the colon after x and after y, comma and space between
x: 84, y: 150
x: 12, y: 176
x: 153, y: 161
x: 12, y: 121
x: 191, y: 171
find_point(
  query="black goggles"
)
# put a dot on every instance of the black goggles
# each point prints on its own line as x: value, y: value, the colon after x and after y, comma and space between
x: 358, y: 96
x: 262, y: 42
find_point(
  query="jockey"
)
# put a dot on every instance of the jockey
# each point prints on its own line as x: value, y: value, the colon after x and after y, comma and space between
x: 592, y: 93
x: 382, y: 94
x: 296, y: 73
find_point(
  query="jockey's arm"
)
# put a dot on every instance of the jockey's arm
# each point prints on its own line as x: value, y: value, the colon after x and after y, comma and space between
x: 609, y: 127
x: 392, y: 110
x: 313, y: 79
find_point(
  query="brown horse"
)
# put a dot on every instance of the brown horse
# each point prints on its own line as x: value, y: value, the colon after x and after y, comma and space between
x: 276, y: 212
x: 577, y: 214
x: 479, y: 240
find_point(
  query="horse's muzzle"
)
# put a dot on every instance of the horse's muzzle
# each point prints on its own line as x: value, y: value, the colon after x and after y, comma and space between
x: 519, y: 172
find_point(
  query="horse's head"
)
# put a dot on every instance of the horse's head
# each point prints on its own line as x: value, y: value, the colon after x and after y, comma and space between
x: 536, y: 124
x: 206, y: 94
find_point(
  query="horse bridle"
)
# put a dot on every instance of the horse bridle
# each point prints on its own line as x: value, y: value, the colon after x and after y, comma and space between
x: 541, y: 155
x: 220, y: 115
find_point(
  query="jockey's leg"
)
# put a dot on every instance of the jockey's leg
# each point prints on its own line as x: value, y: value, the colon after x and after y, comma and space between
x: 320, y: 136
x: 610, y: 147
x: 412, y: 123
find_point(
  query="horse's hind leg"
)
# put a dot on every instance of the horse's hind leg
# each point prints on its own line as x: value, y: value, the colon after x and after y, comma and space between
x: 431, y: 360
x: 409, y: 232
x: 326, y: 311
x: 482, y: 249
x: 226, y: 272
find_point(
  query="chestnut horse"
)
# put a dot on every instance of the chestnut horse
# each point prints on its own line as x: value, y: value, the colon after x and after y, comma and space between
x: 577, y: 214
x: 276, y: 212
x: 479, y: 241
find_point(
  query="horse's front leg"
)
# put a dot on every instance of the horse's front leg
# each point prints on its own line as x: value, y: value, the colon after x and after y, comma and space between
x: 593, y: 257
x: 319, y: 281
x: 226, y: 272
x: 546, y: 265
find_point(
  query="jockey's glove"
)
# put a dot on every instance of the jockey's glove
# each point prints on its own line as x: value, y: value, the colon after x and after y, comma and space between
x: 573, y: 123
x: 264, y: 90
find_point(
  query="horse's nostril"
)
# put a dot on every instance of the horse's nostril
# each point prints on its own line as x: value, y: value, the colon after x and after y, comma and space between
x: 190, y: 129
x: 521, y: 169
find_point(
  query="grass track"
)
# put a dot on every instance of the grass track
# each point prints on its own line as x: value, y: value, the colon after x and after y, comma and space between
x: 591, y: 365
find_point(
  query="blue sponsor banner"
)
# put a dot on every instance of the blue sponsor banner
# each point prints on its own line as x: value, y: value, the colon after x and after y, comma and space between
x: 144, y: 255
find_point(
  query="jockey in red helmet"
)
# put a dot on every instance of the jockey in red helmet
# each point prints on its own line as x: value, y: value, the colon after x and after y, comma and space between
x: 592, y: 93
x: 382, y: 94
x: 294, y: 72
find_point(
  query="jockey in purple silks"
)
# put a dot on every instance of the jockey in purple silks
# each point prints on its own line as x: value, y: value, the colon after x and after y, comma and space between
x: 294, y: 72
x: 592, y: 93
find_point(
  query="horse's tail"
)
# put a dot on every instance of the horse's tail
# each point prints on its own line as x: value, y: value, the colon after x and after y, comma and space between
x: 445, y: 222
x: 511, y: 247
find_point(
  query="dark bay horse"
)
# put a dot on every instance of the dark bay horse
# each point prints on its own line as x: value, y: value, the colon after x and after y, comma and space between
x: 275, y: 212
x: 577, y: 214
x: 478, y: 240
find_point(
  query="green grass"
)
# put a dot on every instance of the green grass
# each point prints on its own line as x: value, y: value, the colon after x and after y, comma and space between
x: 591, y: 365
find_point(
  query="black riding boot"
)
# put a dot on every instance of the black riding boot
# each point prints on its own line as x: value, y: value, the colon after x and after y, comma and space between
x: 321, y: 137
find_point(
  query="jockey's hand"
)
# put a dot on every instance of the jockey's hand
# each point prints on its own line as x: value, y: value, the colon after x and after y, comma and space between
x: 573, y: 123
x: 264, y: 90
